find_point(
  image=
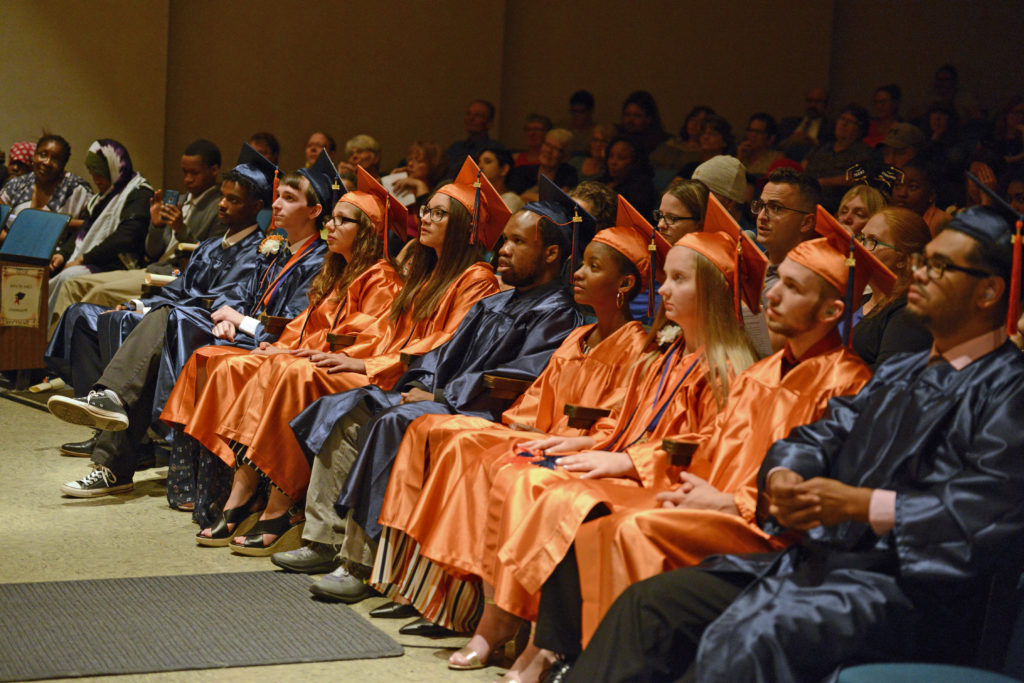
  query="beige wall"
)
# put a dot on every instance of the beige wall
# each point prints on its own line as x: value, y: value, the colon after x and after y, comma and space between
x: 159, y: 73
x: 86, y: 70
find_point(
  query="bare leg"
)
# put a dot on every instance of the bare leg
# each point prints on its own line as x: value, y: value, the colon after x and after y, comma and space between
x: 243, y: 485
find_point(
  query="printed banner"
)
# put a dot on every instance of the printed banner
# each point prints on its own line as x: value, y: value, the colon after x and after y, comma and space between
x: 20, y: 288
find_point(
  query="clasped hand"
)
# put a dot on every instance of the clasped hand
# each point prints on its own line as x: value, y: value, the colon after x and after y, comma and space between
x: 802, y: 504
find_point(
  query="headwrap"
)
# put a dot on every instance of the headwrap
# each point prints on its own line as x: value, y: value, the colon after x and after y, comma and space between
x: 22, y: 151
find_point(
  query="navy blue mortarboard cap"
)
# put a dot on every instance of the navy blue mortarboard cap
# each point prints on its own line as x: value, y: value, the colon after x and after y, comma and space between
x: 323, y: 176
x: 560, y: 208
x: 258, y: 170
x: 993, y: 230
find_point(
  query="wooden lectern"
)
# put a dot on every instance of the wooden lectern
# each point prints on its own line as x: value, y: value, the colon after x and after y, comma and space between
x: 25, y: 287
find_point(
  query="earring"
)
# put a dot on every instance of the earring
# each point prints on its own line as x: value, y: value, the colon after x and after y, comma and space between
x: 618, y: 299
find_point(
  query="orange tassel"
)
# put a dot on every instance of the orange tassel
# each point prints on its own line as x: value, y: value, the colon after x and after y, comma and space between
x: 738, y: 283
x: 1013, y: 310
x: 273, y: 198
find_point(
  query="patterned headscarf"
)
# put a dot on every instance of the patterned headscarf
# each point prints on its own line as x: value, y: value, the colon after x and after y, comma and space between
x: 110, y: 159
x: 23, y: 151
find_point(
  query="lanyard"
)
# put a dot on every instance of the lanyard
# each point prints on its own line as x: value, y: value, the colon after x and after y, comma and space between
x: 284, y: 271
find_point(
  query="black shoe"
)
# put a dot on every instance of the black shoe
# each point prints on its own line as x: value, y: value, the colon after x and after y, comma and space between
x: 79, y: 449
x: 427, y: 629
x: 394, y: 610
x: 315, y: 558
x: 96, y: 410
x: 340, y: 586
x: 557, y: 672
x: 100, y: 482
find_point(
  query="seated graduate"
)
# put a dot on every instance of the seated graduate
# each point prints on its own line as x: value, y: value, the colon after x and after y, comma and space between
x: 511, y: 334
x: 131, y: 392
x: 711, y: 509
x: 678, y: 393
x: 591, y: 367
x: 908, y: 496
x: 217, y: 265
x: 355, y: 286
x: 443, y: 278
x: 113, y: 235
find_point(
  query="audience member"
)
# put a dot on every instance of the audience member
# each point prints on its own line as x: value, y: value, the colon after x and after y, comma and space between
x: 630, y: 175
x: 113, y: 235
x: 477, y: 123
x: 756, y: 150
x: 946, y: 493
x: 48, y: 186
x: 885, y: 328
x: 886, y: 104
x: 267, y: 145
x: 553, y: 154
x: 946, y: 88
x: 361, y: 150
x: 597, y: 199
x: 682, y: 209
x: 19, y: 159
x: 536, y: 127
x: 902, y: 143
x: 860, y: 203
x: 829, y: 162
x: 785, y: 216
x: 319, y: 141
x: 716, y: 139
x: 591, y: 166
x: 680, y: 150
x: 641, y: 121
x: 1015, y: 193
x: 1009, y: 134
x: 726, y: 178
x: 581, y: 120
x: 917, y: 193
x: 802, y: 134
x: 193, y: 220
x: 496, y: 163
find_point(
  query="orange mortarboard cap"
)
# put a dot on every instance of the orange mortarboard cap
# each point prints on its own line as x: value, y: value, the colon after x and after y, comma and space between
x: 489, y: 211
x: 749, y: 262
x: 629, y: 217
x: 372, y: 198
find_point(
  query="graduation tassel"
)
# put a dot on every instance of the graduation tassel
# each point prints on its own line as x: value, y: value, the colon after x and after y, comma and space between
x: 476, y: 210
x: 1013, y: 310
x: 576, y: 220
x: 738, y: 281
x: 851, y: 263
x: 273, y: 198
x: 652, y: 249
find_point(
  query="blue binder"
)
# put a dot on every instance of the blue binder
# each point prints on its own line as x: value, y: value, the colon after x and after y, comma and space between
x: 33, y: 236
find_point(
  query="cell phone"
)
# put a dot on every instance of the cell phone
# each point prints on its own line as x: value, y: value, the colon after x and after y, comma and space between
x: 171, y: 197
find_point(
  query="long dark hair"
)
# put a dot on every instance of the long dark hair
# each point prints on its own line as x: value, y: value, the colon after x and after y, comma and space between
x: 337, y: 273
x: 427, y: 278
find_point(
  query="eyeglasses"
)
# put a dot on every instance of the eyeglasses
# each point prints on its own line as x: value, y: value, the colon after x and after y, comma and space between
x: 437, y: 214
x: 773, y: 209
x: 669, y: 218
x: 936, y: 267
x: 869, y: 242
x: 338, y: 221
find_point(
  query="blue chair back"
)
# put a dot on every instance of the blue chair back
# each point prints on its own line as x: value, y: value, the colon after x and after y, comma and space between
x: 263, y: 219
x: 33, y: 236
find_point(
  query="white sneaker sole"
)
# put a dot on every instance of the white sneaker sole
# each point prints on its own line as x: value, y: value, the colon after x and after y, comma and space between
x: 78, y: 413
x: 76, y: 492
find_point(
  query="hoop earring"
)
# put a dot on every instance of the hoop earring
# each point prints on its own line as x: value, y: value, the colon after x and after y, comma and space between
x: 619, y: 299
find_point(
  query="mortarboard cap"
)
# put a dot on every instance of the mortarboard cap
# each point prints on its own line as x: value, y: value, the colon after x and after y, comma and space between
x: 656, y: 245
x: 375, y: 201
x: 323, y: 177
x: 258, y: 170
x: 749, y: 263
x: 474, y: 191
x: 561, y: 209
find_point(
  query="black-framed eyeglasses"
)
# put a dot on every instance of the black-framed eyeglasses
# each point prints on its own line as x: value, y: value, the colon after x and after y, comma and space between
x: 773, y: 209
x: 869, y: 242
x: 437, y: 214
x: 670, y: 219
x: 338, y: 221
x: 936, y: 267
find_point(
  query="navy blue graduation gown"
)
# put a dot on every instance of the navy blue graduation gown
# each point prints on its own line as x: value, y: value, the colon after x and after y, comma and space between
x: 190, y: 327
x: 94, y: 332
x: 510, y: 333
x: 950, y: 444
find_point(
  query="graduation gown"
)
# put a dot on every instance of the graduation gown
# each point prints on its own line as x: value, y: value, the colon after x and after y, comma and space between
x: 431, y: 484
x: 96, y: 332
x: 242, y: 393
x: 640, y: 539
x: 948, y: 442
x: 511, y: 334
x: 316, y: 392
x: 276, y: 286
x: 670, y: 396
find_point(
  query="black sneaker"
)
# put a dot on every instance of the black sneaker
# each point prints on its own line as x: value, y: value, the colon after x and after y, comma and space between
x: 79, y: 449
x: 100, y: 482
x: 95, y: 410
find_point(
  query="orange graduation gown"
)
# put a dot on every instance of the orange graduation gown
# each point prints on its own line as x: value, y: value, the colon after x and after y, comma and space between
x: 273, y: 448
x: 640, y: 539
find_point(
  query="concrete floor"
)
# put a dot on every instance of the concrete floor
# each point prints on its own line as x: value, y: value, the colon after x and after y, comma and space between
x: 48, y: 537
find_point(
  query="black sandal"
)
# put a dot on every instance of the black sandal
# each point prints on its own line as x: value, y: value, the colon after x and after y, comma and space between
x: 289, y: 536
x: 243, y: 518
